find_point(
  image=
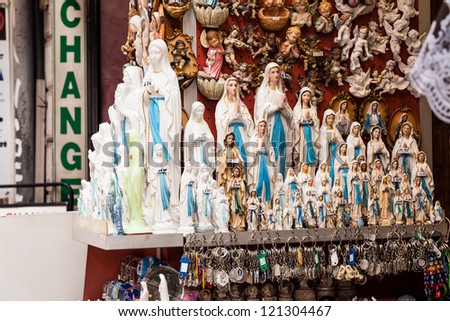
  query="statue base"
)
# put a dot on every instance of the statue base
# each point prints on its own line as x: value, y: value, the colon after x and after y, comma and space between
x: 204, y: 228
x: 186, y: 229
x: 164, y: 228
x: 136, y: 227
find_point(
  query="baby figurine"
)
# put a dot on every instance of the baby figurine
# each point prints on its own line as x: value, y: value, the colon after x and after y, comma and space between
x: 302, y: 15
x: 250, y: 8
x: 289, y: 47
x: 324, y: 23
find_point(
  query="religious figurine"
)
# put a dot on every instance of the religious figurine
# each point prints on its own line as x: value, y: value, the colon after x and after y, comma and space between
x: 359, y: 83
x: 408, y: 203
x: 384, y: 194
x: 436, y: 213
x: 160, y: 192
x: 232, y: 115
x: 398, y: 32
x: 396, y: 173
x: 291, y: 186
x: 236, y: 191
x: 229, y: 159
x: 199, y: 140
x: 261, y: 170
x: 377, y: 174
x: 312, y: 52
x: 232, y: 41
x: 320, y: 212
x: 322, y: 174
x: 330, y: 216
x: 280, y: 190
x: 405, y: 183
x: 373, y: 118
x: 324, y: 23
x: 373, y: 212
x: 408, y: 10
x: 356, y: 190
x: 253, y: 211
x: 306, y: 128
x: 278, y: 211
x: 162, y: 112
x: 377, y: 43
x: 188, y: 206
x: 339, y: 207
x: 303, y: 11
x: 270, y: 46
x: 420, y: 202
x: 406, y: 149
x: 398, y: 207
x: 324, y: 190
x: 298, y: 211
x: 268, y: 292
x: 214, y: 57
x: 287, y: 219
x: 361, y: 49
x: 304, y: 175
x: 422, y: 171
x: 334, y: 68
x: 221, y: 211
x: 289, y: 47
x: 271, y: 104
x: 133, y: 187
x: 343, y: 25
x: 376, y: 149
x: 180, y: 56
x: 414, y: 42
x: 115, y: 204
x: 342, y: 168
x: 342, y: 120
x: 329, y: 140
x: 234, y: 6
x: 154, y: 26
x: 250, y: 8
x: 263, y: 214
x: 205, y: 209
x: 390, y: 82
x: 244, y: 78
x: 355, y: 140
x: 310, y: 210
x: 273, y: 16
x: 387, y: 12
x: 365, y: 181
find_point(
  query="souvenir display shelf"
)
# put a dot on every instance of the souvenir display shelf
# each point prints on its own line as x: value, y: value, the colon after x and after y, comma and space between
x: 95, y: 233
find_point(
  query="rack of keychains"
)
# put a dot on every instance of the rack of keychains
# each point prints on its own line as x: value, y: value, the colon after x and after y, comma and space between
x: 325, y: 263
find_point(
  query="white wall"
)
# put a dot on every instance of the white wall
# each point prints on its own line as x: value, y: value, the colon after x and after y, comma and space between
x: 39, y: 260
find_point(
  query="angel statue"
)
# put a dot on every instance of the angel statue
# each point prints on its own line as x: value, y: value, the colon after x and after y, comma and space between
x: 407, y: 9
x: 359, y: 83
x: 398, y: 33
x: 391, y: 82
x: 214, y: 58
x: 387, y: 12
x: 343, y: 25
x: 303, y: 12
x: 361, y: 50
x: 414, y: 41
x: 406, y: 70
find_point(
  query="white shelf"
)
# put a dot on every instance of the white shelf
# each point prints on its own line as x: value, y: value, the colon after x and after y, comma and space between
x: 95, y: 233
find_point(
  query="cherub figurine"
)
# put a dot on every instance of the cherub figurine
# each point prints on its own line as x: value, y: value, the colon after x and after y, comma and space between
x: 312, y: 51
x: 343, y: 24
x: 414, y: 41
x: 180, y: 56
x: 387, y: 12
x: 234, y: 6
x: 214, y: 58
x: 407, y: 7
x: 334, y: 68
x: 285, y: 69
x: 270, y: 46
x: 289, y: 47
x: 359, y: 83
x: 390, y: 81
x: 361, y: 50
x: 398, y: 33
x: 377, y: 42
x: 250, y: 8
x: 232, y: 41
x: 252, y: 37
x: 324, y: 23
x: 303, y: 12
x: 244, y: 78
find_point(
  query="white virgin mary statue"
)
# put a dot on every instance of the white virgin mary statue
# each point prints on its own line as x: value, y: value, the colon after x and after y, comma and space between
x: 232, y: 115
x: 161, y: 111
x: 271, y: 104
x: 199, y: 140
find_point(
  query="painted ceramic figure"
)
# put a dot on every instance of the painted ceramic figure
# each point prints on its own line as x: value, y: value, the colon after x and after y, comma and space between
x: 342, y: 169
x: 376, y: 149
x: 365, y: 179
x: 298, y: 211
x: 373, y: 118
x: 236, y: 191
x: 162, y: 111
x: 324, y: 23
x: 409, y: 207
x: 422, y: 171
x: 321, y: 212
x: 271, y: 104
x: 334, y: 68
x: 355, y: 140
x: 396, y: 174
x: 384, y: 194
x: 420, y: 202
x: 198, y: 138
x: 437, y: 213
x: 309, y: 210
x: 406, y: 149
x: 377, y: 42
x: 361, y: 50
x: 356, y: 191
x: 214, y: 57
x: 205, y: 207
x: 377, y: 174
x: 229, y: 158
x: 398, y: 207
x: 306, y: 128
x: 323, y: 173
x: 160, y: 191
x: 390, y: 81
x: 301, y: 15
x: 262, y: 168
x: 278, y: 212
x: 188, y: 205
x: 232, y: 115
x: 291, y: 185
x: 343, y: 24
x: 304, y: 176
x: 329, y: 140
x: 289, y: 48
x: 253, y: 212
x: 325, y: 191
x: 221, y: 211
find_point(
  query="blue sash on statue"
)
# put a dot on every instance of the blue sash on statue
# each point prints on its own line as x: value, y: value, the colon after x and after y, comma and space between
x: 190, y: 201
x: 421, y: 204
x: 333, y: 146
x: 203, y: 158
x: 322, y: 213
x: 425, y: 188
x: 399, y: 208
x: 377, y: 206
x: 344, y: 178
x: 358, y: 193
x: 310, y: 154
x: 239, y: 141
x: 366, y: 194
x: 299, y: 214
x: 405, y: 164
x: 237, y: 203
x: 164, y: 190
x: 154, y: 115
x: 124, y: 136
x: 408, y: 210
x: 279, y: 141
x: 263, y: 178
x: 311, y: 209
x: 324, y: 197
x: 208, y: 204
x: 357, y: 151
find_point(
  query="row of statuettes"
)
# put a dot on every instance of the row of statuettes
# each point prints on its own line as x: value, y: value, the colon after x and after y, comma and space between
x: 255, y: 160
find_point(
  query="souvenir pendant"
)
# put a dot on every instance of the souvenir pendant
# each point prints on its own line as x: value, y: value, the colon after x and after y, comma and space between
x: 334, y: 258
x: 263, y: 266
x: 364, y: 264
x: 184, y: 265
